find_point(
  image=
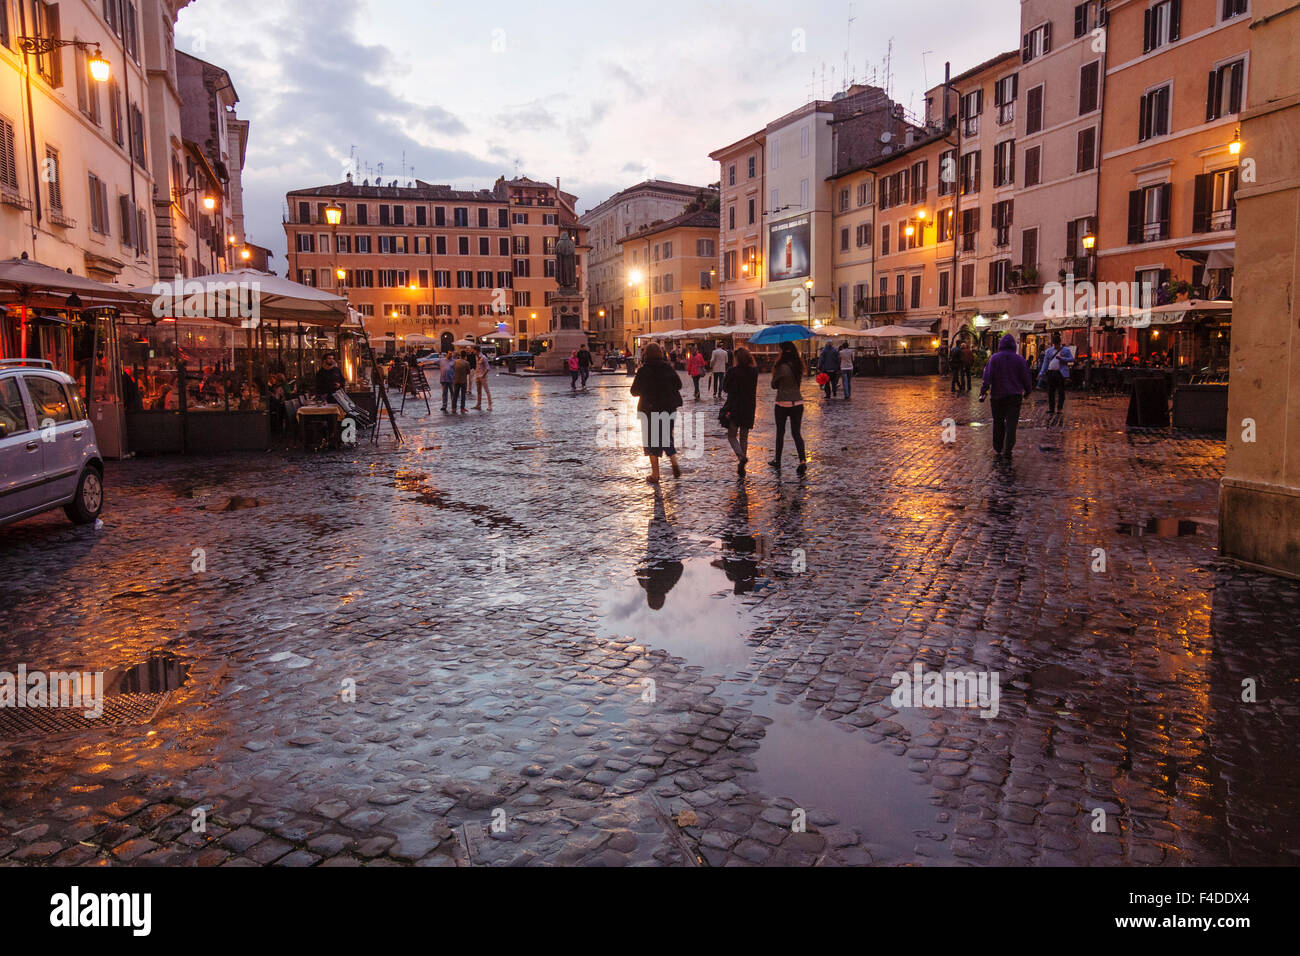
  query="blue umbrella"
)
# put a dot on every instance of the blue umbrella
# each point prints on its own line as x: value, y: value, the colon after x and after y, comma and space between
x: 780, y: 333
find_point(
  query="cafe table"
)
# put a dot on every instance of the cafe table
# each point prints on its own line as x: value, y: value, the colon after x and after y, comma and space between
x: 320, y: 418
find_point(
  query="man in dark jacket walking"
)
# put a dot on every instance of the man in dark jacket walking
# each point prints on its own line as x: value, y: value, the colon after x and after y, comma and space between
x: 1007, y: 376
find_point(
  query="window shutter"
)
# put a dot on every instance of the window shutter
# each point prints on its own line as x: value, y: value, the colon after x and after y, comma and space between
x: 1212, y: 97
x: 979, y: 102
x: 1047, y: 37
x: 978, y: 163
x: 1201, y: 204
x: 1175, y: 19
x: 1144, y: 117
x: 1024, y: 49
x: 1146, y: 31
x: 1080, y: 20
x: 1234, y: 87
x: 1135, y: 216
x: 1166, y: 192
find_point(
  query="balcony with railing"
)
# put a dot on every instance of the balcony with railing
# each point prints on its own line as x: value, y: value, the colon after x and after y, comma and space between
x: 880, y: 305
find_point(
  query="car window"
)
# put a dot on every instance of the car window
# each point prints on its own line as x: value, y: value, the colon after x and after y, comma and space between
x: 13, y: 414
x: 78, y: 403
x: 49, y: 399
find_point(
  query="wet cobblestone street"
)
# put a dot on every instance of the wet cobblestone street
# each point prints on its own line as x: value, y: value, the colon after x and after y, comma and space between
x: 556, y: 663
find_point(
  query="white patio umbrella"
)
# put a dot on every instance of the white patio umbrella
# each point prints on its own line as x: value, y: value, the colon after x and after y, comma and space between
x: 897, y: 332
x: 837, y: 331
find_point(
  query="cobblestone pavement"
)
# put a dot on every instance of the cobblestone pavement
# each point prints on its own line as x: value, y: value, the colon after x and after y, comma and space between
x: 555, y: 663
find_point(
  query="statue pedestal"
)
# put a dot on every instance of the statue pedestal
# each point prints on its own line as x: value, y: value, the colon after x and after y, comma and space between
x: 565, y: 333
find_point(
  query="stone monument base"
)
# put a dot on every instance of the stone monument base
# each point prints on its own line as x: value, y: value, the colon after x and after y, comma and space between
x: 555, y: 361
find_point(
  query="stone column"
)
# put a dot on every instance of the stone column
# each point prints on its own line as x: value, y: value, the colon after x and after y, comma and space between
x: 1259, y: 500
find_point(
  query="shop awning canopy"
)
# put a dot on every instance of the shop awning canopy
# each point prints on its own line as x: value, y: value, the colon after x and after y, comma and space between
x: 228, y: 297
x: 36, y: 285
x: 1219, y: 255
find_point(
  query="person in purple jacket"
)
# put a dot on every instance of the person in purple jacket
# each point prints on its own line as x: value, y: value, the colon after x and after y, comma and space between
x: 1007, y: 376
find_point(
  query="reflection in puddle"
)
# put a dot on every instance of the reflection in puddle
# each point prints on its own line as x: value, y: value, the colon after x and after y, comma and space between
x: 865, y: 785
x: 159, y: 673
x: 685, y: 608
x: 1160, y: 527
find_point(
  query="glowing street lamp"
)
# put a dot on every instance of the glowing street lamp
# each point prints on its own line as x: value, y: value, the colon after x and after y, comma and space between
x: 1235, y: 146
x: 1090, y: 242
x: 333, y: 214
x: 209, y: 203
x: 99, y: 68
x: 245, y: 253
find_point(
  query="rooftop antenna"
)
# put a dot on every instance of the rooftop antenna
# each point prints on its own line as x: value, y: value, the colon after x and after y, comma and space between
x: 925, y: 77
x: 848, y: 34
x: 889, y: 69
x: 403, y: 180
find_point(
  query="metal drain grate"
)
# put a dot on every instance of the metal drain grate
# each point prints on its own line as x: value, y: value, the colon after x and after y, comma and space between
x: 128, y: 708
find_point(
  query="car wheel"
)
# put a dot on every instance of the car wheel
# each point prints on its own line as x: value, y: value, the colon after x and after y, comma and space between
x: 89, y: 500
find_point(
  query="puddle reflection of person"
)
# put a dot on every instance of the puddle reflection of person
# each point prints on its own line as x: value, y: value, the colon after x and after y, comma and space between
x: 662, y: 567
x: 741, y: 551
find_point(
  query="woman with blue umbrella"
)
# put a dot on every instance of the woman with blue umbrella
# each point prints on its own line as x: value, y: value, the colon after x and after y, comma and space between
x: 787, y: 379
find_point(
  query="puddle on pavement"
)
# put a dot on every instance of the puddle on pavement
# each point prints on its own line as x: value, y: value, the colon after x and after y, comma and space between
x: 417, y: 483
x: 155, y: 675
x: 1160, y: 528
x: 861, y: 782
x: 688, y: 608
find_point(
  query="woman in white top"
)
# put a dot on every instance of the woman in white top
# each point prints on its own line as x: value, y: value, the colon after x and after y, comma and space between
x: 846, y: 368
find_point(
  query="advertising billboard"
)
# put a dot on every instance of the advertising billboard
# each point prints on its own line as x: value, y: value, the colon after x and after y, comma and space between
x: 789, y: 249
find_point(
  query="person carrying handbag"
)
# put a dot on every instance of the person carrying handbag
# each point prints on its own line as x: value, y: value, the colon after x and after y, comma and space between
x: 737, y: 415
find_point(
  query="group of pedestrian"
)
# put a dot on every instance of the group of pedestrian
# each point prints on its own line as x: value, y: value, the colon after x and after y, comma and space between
x: 458, y: 372
x: 1008, y: 380
x: 837, y: 366
x: 658, y: 389
x: 579, y: 365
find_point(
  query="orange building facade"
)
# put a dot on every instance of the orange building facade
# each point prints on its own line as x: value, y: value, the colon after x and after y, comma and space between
x: 672, y: 274
x: 1177, y: 78
x: 430, y: 259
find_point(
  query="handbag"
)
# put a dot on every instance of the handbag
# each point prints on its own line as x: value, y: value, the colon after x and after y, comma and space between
x: 724, y: 417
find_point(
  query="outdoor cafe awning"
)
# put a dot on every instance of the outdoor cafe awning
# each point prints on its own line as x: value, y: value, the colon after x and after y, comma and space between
x: 1220, y: 255
x: 277, y: 299
x: 36, y: 285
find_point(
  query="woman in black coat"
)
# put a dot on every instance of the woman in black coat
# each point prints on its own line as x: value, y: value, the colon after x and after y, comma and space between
x: 741, y: 386
x: 659, y: 389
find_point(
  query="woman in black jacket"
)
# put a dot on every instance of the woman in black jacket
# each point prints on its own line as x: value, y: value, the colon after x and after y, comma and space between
x: 741, y: 386
x: 659, y: 389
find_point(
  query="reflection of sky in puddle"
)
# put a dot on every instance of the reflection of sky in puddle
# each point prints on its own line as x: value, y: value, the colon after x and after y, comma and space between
x: 687, y: 608
x: 865, y: 785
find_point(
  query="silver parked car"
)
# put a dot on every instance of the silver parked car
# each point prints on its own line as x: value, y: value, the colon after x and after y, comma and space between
x: 48, y: 454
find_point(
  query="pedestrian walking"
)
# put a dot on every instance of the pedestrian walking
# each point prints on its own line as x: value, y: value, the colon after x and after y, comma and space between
x: 481, y: 371
x: 447, y: 378
x: 737, y: 415
x: 695, y: 369
x: 584, y: 366
x: 828, y: 364
x: 460, y: 381
x: 659, y: 390
x: 787, y: 379
x: 846, y: 368
x: 1007, y: 377
x: 967, y: 355
x: 1055, y: 371
x: 718, y: 365
x: 573, y: 370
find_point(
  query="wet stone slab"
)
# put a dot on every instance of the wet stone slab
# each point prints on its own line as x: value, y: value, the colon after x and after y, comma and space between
x: 498, y: 646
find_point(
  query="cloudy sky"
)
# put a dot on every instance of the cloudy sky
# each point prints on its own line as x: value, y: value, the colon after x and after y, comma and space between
x: 600, y: 94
